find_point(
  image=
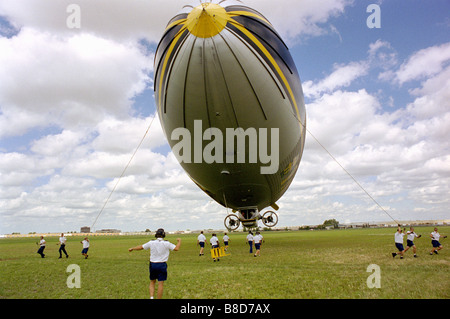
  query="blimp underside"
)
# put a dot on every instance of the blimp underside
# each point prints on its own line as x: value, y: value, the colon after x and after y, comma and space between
x: 225, y: 76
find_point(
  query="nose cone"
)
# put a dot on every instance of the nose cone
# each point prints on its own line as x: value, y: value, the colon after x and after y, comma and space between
x: 207, y: 20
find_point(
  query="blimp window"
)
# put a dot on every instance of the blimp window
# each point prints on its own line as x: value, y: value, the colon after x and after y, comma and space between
x: 247, y: 213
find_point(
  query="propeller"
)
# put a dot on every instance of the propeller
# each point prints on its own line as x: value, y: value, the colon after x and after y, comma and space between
x: 232, y: 222
x: 270, y: 219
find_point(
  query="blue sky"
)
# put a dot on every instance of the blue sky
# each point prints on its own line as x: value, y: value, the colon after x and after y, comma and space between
x: 74, y: 104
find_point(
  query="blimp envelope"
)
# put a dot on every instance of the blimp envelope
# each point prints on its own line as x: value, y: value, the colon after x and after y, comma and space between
x: 230, y: 101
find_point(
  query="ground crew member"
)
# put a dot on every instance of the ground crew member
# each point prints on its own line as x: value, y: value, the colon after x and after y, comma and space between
x: 159, y: 254
x: 201, y: 241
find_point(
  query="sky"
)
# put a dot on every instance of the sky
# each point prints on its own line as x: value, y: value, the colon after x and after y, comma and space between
x: 76, y: 98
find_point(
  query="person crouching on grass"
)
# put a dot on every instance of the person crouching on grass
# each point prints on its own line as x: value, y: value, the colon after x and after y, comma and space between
x: 159, y: 254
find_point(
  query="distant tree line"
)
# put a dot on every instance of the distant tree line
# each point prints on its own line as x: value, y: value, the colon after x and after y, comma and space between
x: 329, y: 222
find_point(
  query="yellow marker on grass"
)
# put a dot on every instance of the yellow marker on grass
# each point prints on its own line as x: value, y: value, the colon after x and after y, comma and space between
x: 218, y: 252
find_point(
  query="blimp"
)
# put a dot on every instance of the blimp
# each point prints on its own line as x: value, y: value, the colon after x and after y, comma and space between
x: 231, y: 105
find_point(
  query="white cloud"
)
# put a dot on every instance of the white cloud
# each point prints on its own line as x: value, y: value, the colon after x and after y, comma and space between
x: 66, y: 81
x: 423, y: 63
x: 433, y: 98
x: 382, y: 55
x: 341, y: 77
x: 19, y: 169
x: 122, y: 21
x: 55, y: 145
x: 293, y: 18
x: 401, y: 157
x: 123, y: 136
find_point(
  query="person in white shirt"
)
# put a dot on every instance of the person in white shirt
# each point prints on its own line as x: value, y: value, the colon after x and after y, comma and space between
x: 225, y: 239
x: 399, y: 242
x: 62, y: 246
x: 86, y: 244
x: 258, y: 240
x: 159, y: 254
x: 435, y: 236
x: 214, y: 241
x: 249, y: 240
x: 201, y: 241
x: 411, y: 235
x: 41, y: 247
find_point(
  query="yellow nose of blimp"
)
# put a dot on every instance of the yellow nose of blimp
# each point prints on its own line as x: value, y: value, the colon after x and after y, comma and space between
x: 207, y: 20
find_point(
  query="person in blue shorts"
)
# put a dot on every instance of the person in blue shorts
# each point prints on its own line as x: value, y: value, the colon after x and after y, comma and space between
x: 258, y: 239
x: 399, y: 234
x: 159, y: 254
x: 41, y: 247
x: 214, y: 241
x: 86, y: 244
x: 249, y: 240
x: 225, y: 239
x: 201, y: 241
x: 435, y: 236
x: 411, y: 235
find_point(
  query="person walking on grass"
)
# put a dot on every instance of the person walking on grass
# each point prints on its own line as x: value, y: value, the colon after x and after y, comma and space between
x: 435, y: 236
x: 411, y: 235
x: 201, y: 242
x: 41, y: 247
x: 62, y: 246
x: 86, y: 245
x: 249, y: 240
x: 399, y: 242
x: 225, y: 239
x: 159, y: 254
x: 258, y: 239
x: 214, y: 241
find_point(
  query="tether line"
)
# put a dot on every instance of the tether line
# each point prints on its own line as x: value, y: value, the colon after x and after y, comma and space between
x: 123, y: 172
x: 348, y: 173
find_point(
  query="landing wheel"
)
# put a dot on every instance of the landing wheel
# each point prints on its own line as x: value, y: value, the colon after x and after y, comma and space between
x: 232, y: 222
x: 270, y: 219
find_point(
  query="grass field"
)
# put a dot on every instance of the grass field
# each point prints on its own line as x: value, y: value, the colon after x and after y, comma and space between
x: 293, y: 265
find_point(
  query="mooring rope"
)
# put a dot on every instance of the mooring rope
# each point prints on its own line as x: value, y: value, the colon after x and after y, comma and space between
x: 351, y: 176
x: 123, y: 172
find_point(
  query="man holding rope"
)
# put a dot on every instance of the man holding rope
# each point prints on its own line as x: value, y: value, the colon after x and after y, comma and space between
x: 411, y: 235
x: 399, y: 234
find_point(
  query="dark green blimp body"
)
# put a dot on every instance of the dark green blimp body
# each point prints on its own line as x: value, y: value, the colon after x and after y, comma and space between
x: 231, y: 104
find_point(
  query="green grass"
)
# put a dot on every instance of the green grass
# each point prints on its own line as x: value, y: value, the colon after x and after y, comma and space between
x: 293, y: 265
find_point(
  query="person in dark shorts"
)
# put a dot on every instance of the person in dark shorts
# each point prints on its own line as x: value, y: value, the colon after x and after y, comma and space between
x: 435, y: 236
x: 214, y: 241
x: 201, y: 241
x: 41, y: 247
x: 226, y: 240
x: 258, y: 239
x: 399, y: 234
x: 249, y: 240
x: 62, y: 246
x: 86, y: 245
x: 159, y: 254
x: 410, y: 236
